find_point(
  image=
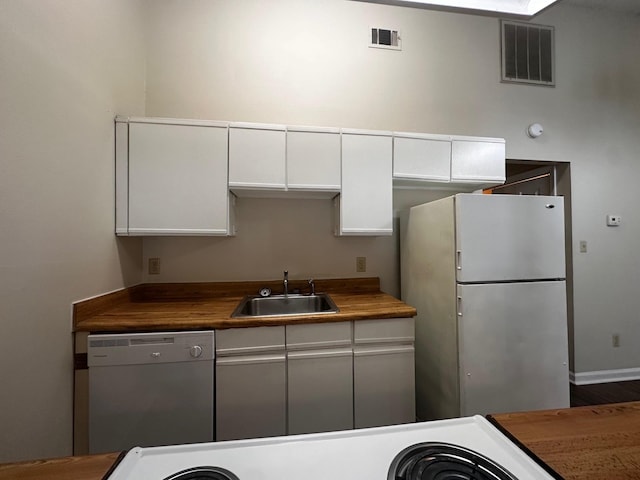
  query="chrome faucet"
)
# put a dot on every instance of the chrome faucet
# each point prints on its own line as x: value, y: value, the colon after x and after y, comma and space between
x: 285, y: 282
x: 312, y: 285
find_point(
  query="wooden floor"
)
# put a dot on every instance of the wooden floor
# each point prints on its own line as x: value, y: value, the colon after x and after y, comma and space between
x: 600, y: 393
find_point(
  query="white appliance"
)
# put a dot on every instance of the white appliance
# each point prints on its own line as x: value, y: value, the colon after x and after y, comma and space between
x: 150, y: 389
x: 463, y: 448
x: 486, y: 275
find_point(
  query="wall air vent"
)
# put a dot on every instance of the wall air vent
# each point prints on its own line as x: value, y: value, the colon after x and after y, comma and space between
x: 385, y: 38
x: 527, y: 53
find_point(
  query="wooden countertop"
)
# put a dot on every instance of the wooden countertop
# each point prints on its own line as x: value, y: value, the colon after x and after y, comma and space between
x: 192, y: 306
x: 595, y: 443
x: 90, y: 467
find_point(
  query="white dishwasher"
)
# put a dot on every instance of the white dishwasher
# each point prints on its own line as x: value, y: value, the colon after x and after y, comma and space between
x: 148, y: 389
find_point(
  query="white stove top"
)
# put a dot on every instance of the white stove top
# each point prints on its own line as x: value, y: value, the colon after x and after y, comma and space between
x: 349, y: 455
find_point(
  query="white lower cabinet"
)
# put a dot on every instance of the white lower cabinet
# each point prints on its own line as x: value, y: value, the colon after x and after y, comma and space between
x: 384, y: 392
x: 250, y: 396
x: 324, y: 377
x: 383, y: 372
x: 250, y: 383
x: 319, y: 377
x: 320, y: 390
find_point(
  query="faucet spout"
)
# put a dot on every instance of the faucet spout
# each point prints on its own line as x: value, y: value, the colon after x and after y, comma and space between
x: 312, y: 286
x: 285, y: 282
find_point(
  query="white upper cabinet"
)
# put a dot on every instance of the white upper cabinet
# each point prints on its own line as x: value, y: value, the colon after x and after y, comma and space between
x: 366, y: 197
x: 457, y: 163
x: 421, y: 157
x: 257, y: 156
x: 175, y: 177
x: 313, y: 159
x: 171, y: 177
x: 278, y: 159
x: 478, y: 160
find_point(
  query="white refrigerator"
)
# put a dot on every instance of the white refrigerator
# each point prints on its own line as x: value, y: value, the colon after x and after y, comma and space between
x: 486, y: 274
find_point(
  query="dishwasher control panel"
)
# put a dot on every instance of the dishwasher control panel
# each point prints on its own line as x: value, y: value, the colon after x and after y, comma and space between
x: 156, y: 347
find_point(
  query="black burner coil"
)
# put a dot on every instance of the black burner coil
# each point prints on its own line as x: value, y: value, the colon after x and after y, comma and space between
x: 443, y: 461
x: 203, y: 473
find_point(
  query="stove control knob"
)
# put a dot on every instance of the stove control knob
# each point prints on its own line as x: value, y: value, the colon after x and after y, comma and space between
x: 195, y: 351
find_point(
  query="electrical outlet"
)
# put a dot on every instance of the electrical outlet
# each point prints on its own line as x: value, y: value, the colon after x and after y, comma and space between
x: 361, y: 264
x: 615, y: 339
x: 154, y: 266
x: 583, y: 246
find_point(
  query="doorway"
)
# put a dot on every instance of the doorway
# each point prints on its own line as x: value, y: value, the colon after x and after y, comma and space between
x: 530, y: 177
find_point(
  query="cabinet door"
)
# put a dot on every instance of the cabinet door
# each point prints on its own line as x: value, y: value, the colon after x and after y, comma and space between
x: 257, y: 156
x: 477, y: 161
x: 122, y: 176
x: 250, y: 396
x: 384, y: 385
x: 320, y: 390
x: 313, y: 159
x: 367, y: 184
x: 421, y: 157
x: 177, y: 179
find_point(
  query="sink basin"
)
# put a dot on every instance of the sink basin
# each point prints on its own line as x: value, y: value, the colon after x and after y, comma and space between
x: 282, y: 305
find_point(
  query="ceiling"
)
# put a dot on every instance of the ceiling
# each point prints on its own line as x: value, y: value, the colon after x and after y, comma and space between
x: 526, y: 8
x: 512, y: 7
x: 631, y: 7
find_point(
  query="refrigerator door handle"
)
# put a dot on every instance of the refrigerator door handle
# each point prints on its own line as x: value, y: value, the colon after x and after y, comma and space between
x: 459, y: 306
x: 459, y: 259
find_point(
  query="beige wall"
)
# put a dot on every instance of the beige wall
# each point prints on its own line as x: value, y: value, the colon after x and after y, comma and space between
x: 307, y: 62
x: 66, y: 68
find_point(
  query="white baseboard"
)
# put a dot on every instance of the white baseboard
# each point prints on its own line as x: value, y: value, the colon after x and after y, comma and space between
x: 604, y: 376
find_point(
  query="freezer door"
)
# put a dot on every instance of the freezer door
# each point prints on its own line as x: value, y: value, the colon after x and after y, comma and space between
x: 509, y: 237
x: 513, y: 347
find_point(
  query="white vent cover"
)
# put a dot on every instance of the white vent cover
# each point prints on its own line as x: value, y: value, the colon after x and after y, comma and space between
x: 527, y: 53
x: 385, y: 38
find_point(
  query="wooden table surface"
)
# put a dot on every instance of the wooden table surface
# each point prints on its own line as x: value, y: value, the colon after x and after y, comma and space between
x: 596, y: 442
x: 90, y: 467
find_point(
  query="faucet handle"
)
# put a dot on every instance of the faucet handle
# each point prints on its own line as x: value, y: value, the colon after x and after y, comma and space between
x: 285, y: 282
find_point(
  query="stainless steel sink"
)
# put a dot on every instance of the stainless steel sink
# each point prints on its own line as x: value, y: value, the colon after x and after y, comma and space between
x: 282, y: 305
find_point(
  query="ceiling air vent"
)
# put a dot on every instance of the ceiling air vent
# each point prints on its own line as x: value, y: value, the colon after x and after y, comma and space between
x: 527, y: 53
x: 385, y: 38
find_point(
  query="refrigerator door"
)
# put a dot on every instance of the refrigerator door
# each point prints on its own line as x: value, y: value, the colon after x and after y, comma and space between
x: 509, y: 237
x: 513, y: 347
